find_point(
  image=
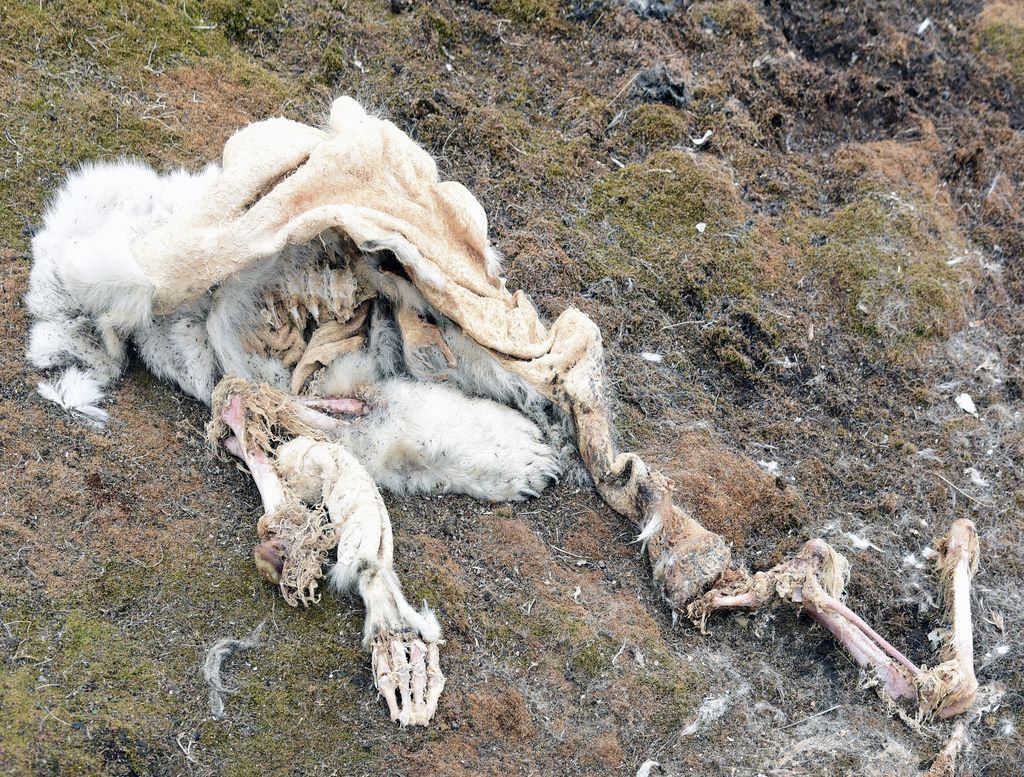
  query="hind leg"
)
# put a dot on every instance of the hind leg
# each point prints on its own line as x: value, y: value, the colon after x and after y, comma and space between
x: 814, y: 580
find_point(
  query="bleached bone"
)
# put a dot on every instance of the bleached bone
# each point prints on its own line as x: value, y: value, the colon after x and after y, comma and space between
x: 950, y: 688
x: 814, y: 579
x: 944, y: 764
x: 306, y: 472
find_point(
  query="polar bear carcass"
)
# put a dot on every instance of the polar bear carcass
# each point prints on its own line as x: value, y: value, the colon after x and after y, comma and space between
x: 344, y: 314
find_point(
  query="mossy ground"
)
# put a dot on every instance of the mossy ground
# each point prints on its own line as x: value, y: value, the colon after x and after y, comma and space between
x: 860, y: 196
x: 1001, y: 33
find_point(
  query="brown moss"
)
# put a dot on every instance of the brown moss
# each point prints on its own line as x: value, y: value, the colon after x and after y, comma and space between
x: 729, y: 494
x: 504, y: 710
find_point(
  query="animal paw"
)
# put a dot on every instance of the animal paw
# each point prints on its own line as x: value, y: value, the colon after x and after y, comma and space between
x: 407, y: 672
x: 537, y: 468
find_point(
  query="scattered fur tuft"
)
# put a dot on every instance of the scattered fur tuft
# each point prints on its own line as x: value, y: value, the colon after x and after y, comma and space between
x: 77, y: 392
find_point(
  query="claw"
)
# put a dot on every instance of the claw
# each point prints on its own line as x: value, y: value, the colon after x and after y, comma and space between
x: 384, y: 679
x: 407, y: 672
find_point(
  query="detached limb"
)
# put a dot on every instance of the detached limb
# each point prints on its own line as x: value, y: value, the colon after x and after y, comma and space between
x: 950, y: 688
x: 814, y: 579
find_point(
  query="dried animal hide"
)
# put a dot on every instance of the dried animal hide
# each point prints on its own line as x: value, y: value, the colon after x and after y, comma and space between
x: 285, y: 183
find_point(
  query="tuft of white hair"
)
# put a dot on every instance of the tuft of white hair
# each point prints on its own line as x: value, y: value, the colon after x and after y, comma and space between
x: 77, y: 392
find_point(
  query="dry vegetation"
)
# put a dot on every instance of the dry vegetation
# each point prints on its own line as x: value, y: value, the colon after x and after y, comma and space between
x: 860, y: 267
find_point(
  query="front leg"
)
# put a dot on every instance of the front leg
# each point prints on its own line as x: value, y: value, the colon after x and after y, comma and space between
x: 403, y: 642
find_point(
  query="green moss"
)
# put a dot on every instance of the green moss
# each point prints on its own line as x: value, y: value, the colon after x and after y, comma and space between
x: 81, y: 83
x: 245, y: 20
x: 302, y: 683
x: 884, y: 257
x: 441, y: 592
x: 648, y: 215
x: 677, y: 687
x: 443, y: 28
x: 592, y: 658
x: 656, y: 124
x: 522, y: 158
x: 1001, y: 33
x: 333, y: 61
x: 36, y: 735
x: 736, y: 19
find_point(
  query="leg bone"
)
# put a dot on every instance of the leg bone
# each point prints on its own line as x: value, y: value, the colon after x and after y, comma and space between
x: 950, y: 688
x: 403, y: 643
x: 814, y: 580
x: 294, y: 538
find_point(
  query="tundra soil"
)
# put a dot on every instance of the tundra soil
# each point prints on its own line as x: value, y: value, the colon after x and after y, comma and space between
x: 810, y: 212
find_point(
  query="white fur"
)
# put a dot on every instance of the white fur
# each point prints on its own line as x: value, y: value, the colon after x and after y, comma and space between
x: 423, y: 437
x: 86, y: 294
x: 89, y: 299
x: 76, y: 391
